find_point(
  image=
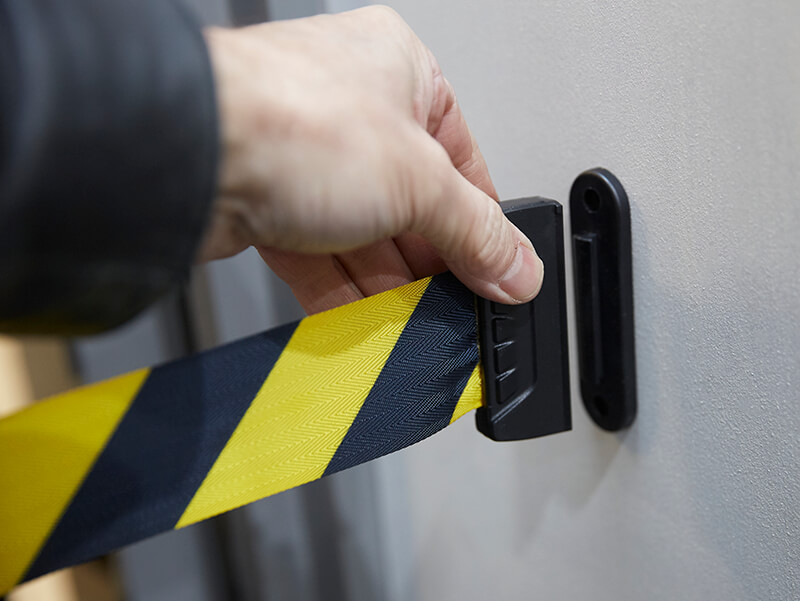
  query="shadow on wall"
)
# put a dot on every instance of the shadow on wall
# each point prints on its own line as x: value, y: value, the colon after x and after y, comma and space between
x: 595, y: 452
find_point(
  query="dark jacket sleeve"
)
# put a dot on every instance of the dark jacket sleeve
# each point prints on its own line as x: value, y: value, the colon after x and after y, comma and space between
x: 108, y: 154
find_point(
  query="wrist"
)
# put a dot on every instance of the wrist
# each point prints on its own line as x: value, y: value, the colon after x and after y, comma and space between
x: 227, y: 67
x: 227, y: 232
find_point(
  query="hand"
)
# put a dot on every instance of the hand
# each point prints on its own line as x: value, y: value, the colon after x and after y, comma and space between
x: 347, y: 162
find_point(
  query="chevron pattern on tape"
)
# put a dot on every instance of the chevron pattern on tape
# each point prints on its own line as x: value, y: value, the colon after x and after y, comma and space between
x: 103, y: 466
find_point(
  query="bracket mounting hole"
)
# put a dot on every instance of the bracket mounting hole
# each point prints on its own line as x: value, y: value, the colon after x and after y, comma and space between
x: 592, y: 200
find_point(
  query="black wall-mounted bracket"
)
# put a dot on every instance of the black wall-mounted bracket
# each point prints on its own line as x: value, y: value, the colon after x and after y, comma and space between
x: 603, y: 274
x: 524, y: 348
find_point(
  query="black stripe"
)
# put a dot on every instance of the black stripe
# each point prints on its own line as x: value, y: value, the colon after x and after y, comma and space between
x: 162, y: 449
x: 419, y: 387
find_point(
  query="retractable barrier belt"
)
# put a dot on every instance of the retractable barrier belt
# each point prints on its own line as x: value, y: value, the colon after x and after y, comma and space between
x: 103, y: 466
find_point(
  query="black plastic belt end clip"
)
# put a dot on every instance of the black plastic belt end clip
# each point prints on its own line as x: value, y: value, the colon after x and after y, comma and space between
x: 524, y: 348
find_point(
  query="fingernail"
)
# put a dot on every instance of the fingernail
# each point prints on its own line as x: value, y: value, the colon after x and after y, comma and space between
x: 523, y: 280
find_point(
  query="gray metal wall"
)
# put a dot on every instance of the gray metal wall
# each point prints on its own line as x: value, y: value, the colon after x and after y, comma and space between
x: 694, y: 105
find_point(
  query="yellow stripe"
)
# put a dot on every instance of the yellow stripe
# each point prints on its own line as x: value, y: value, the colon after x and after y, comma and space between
x: 45, y: 453
x: 306, y: 405
x: 472, y: 397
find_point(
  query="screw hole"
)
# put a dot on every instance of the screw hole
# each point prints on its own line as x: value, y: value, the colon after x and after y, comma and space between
x: 600, y: 405
x: 592, y: 200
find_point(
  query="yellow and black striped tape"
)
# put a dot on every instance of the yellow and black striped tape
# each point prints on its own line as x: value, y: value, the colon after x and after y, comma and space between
x: 106, y: 465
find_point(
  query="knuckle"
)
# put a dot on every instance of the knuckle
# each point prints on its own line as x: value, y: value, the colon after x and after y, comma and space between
x: 486, y: 242
x: 385, y: 12
x: 488, y: 235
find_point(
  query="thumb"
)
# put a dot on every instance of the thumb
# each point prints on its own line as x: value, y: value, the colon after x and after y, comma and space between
x: 479, y: 245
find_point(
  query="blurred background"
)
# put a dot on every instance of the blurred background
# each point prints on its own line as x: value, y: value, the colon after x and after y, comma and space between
x: 695, y: 107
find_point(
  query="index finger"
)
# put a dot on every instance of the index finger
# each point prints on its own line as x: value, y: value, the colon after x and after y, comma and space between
x: 457, y: 139
x: 452, y: 132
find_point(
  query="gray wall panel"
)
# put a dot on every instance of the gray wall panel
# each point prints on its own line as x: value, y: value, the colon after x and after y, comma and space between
x: 694, y: 106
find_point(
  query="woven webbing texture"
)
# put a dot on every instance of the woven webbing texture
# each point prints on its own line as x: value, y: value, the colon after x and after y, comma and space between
x: 106, y: 465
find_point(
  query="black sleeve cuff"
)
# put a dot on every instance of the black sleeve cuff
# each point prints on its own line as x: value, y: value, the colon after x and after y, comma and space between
x: 108, y: 158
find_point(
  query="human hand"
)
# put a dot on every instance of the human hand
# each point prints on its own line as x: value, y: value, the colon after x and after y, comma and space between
x: 347, y: 162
